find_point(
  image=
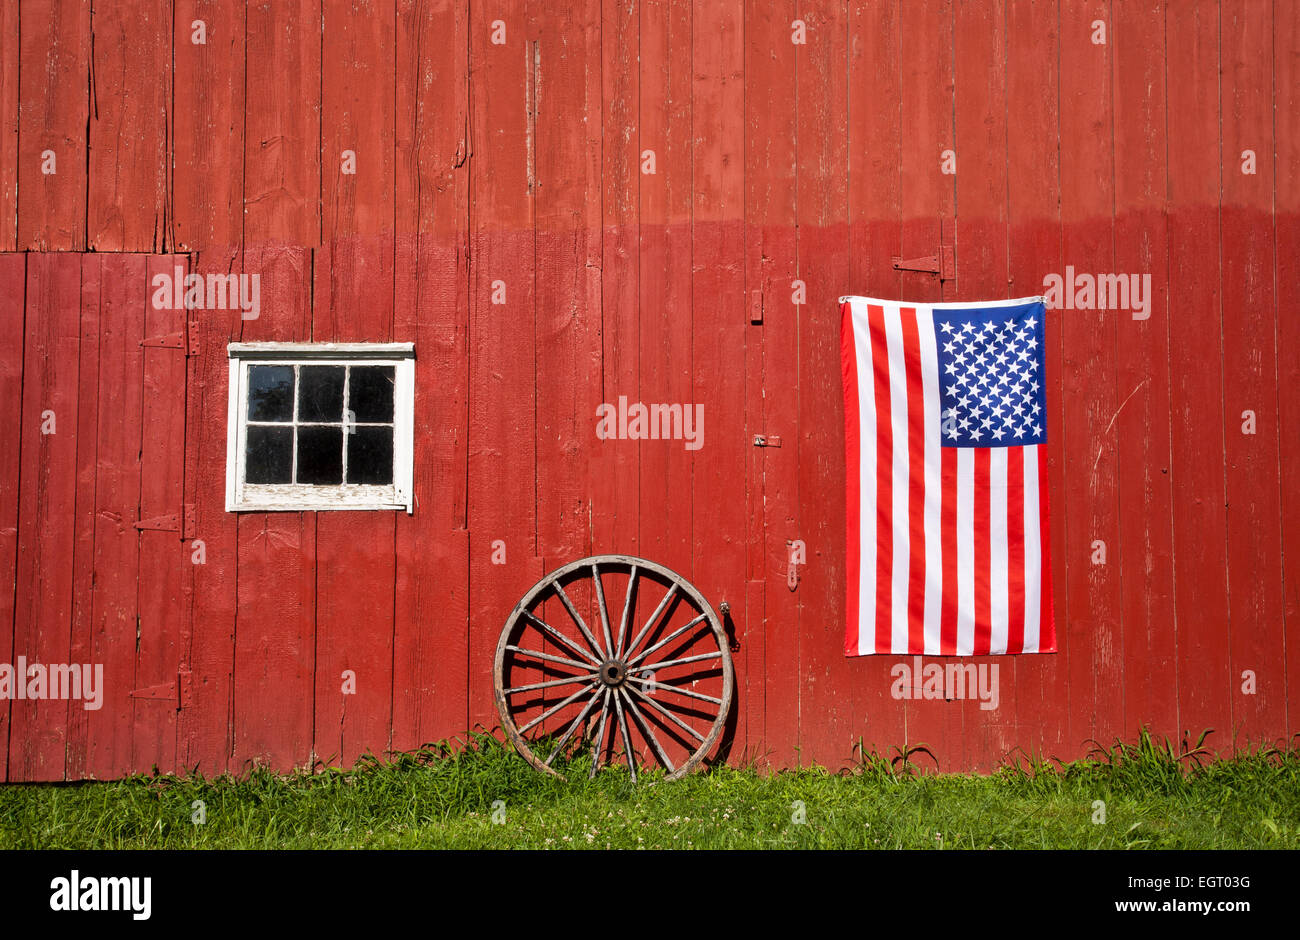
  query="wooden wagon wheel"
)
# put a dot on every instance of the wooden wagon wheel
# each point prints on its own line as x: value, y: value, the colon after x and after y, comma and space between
x: 649, y: 675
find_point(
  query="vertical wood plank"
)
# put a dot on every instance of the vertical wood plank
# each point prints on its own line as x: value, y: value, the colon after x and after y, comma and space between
x: 38, y: 730
x: 566, y: 221
x: 981, y: 236
x: 1286, y: 187
x: 13, y: 289
x: 827, y: 731
x: 1142, y: 373
x: 162, y: 453
x: 53, y: 114
x: 664, y: 256
x: 205, y: 728
x: 771, y: 148
x: 1198, y: 424
x: 927, y: 116
x: 353, y: 302
x: 431, y: 634
x: 83, y: 512
x: 9, y: 60
x: 616, y: 469
x: 115, y: 619
x: 275, y: 643
x: 282, y: 130
x: 1257, y: 642
x: 1089, y: 339
x: 1034, y: 251
x: 875, y: 238
x: 129, y: 180
x: 208, y: 126
x: 719, y: 314
x: 503, y: 366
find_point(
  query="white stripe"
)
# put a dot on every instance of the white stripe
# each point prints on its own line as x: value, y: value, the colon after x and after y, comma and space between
x: 998, y: 587
x: 1033, y: 555
x: 965, y: 551
x: 866, y: 483
x: 933, y: 481
x: 898, y: 428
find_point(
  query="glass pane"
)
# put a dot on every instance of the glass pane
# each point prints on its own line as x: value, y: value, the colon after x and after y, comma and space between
x: 370, y: 455
x: 268, y: 455
x: 320, y: 455
x: 371, y: 393
x: 320, y: 393
x: 270, y: 393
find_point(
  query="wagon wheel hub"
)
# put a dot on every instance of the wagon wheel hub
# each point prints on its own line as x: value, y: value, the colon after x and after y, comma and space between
x: 613, y: 673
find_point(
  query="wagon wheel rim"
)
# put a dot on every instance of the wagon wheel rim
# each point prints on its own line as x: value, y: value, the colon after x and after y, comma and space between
x: 620, y: 679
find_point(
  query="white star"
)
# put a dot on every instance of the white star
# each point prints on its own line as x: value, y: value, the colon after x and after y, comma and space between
x: 997, y: 433
x: 975, y: 434
x: 946, y: 327
x: 1038, y: 431
x: 1029, y: 322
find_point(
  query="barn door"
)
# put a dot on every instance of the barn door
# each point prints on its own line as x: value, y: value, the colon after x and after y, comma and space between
x: 93, y: 494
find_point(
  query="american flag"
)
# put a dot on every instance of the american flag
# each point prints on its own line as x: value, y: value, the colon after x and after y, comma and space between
x: 945, y: 430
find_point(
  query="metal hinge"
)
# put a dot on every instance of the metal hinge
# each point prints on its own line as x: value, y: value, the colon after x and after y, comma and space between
x: 756, y: 306
x: 767, y: 440
x: 176, y: 340
x: 943, y: 264
x: 182, y: 523
x: 178, y: 690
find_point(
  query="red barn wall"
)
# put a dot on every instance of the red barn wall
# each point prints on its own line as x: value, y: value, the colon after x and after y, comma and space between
x: 524, y: 163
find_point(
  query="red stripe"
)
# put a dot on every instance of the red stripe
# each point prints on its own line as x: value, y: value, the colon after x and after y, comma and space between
x: 983, y: 541
x: 948, y: 547
x: 884, y: 481
x: 1047, y: 628
x: 1016, y: 549
x: 915, y: 483
x: 852, y: 461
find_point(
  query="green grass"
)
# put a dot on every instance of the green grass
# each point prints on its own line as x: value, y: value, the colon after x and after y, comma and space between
x: 442, y: 797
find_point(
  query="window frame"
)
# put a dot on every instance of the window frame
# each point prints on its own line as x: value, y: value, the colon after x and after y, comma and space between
x: 299, y: 497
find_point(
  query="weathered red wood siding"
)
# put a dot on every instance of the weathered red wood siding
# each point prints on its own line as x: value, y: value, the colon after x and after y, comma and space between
x: 522, y: 167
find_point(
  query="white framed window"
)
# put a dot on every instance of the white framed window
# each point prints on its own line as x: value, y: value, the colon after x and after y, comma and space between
x: 320, y: 426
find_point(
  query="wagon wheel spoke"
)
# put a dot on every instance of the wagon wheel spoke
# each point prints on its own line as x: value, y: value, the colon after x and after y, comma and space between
x: 667, y: 714
x: 553, y: 709
x: 677, y: 662
x: 560, y: 637
x: 668, y: 639
x: 572, y: 727
x: 643, y: 719
x: 586, y: 677
x: 675, y: 688
x: 577, y: 617
x: 654, y: 618
x: 646, y: 729
x: 604, y: 612
x: 627, y: 610
x: 627, y: 739
x: 598, y: 747
x: 538, y: 654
